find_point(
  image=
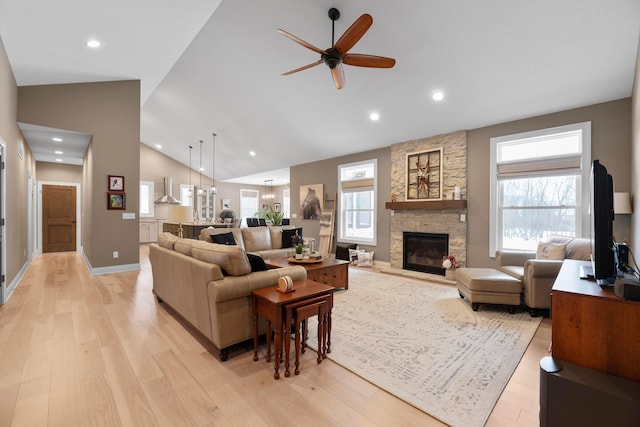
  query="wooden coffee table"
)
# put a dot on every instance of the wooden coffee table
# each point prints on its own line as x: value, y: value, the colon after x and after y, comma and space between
x: 332, y: 272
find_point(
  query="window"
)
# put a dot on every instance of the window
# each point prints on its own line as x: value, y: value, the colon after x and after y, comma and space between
x: 357, y: 207
x: 146, y: 198
x: 186, y: 195
x: 537, y: 186
x: 248, y: 203
x: 286, y: 203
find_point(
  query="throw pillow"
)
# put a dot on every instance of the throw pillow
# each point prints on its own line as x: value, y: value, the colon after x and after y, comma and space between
x: 288, y: 234
x: 224, y: 238
x: 353, y: 256
x: 257, y: 263
x: 555, y: 251
x: 365, y: 259
x: 342, y: 252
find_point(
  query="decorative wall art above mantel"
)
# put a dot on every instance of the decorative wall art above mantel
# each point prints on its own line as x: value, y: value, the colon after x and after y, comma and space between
x: 424, y: 175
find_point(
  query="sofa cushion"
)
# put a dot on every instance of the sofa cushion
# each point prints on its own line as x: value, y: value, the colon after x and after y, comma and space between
x: 342, y: 251
x: 224, y: 238
x: 257, y: 263
x: 547, y: 250
x: 577, y: 247
x: 516, y: 271
x: 276, y: 235
x: 166, y: 240
x: 207, y: 234
x: 184, y: 246
x: 287, y: 236
x: 231, y: 259
x: 256, y: 238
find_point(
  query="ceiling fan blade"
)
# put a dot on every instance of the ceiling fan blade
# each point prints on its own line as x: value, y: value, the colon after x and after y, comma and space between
x: 338, y: 76
x: 303, y: 68
x: 372, y: 61
x: 300, y: 41
x: 354, y: 33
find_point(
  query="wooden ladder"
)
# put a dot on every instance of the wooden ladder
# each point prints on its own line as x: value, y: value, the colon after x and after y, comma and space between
x: 327, y: 221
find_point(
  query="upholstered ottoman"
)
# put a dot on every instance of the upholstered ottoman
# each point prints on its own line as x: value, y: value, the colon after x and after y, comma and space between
x: 488, y: 286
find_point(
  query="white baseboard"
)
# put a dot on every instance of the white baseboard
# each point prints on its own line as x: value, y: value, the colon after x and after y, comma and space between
x: 96, y: 271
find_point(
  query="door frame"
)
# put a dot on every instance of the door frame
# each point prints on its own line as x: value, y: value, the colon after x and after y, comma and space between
x: 78, y: 211
x: 3, y: 229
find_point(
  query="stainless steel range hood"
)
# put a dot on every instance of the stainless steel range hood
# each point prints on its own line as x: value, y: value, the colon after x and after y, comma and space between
x: 168, y: 196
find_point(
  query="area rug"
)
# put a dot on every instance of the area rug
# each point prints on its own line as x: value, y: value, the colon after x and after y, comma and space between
x: 422, y: 343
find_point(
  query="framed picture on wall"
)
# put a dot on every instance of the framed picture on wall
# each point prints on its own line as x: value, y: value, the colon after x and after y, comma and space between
x: 277, y: 207
x: 116, y: 201
x: 116, y: 183
x: 424, y: 175
x: 311, y: 197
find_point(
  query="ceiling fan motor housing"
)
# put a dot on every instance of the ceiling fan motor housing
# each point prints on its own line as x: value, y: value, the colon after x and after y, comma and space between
x: 332, y: 58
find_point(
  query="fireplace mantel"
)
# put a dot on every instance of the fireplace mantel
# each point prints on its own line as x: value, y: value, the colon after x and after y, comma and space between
x: 430, y: 205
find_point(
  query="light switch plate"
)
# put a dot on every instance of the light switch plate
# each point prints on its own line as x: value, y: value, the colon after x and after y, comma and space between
x: 128, y: 215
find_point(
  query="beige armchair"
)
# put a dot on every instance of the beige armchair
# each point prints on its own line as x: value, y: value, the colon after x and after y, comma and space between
x: 538, y: 275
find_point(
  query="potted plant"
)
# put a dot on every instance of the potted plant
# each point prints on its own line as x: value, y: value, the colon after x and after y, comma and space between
x: 450, y: 264
x: 299, y: 247
x: 270, y: 215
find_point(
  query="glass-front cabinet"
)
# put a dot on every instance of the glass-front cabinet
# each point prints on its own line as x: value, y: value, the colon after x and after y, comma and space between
x: 206, y: 204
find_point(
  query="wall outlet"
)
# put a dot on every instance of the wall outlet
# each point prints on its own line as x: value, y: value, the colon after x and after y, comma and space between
x: 463, y: 217
x: 294, y: 215
x: 115, y: 254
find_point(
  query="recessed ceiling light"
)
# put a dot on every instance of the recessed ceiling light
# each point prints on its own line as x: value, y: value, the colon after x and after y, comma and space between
x: 57, y: 139
x: 252, y: 153
x: 437, y: 95
x: 93, y: 44
x: 159, y: 147
x: 58, y: 160
x: 374, y: 116
x: 58, y: 152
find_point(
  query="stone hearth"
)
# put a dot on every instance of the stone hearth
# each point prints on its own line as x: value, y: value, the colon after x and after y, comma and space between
x: 446, y: 221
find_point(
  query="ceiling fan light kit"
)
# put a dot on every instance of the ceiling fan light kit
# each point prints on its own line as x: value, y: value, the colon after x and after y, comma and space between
x: 338, y: 53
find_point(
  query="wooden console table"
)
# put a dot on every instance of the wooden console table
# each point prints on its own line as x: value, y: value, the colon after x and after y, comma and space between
x: 594, y: 328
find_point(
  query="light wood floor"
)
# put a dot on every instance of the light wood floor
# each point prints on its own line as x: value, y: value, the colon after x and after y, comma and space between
x: 77, y: 350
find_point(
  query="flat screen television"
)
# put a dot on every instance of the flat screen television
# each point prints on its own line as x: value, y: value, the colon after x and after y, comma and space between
x: 603, y: 256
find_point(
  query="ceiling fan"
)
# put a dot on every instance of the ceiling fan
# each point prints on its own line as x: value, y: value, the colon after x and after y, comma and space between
x: 338, y: 53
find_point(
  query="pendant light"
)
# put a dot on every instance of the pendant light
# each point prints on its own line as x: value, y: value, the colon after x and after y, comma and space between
x: 190, y: 192
x: 268, y: 194
x: 200, y: 191
x: 213, y: 165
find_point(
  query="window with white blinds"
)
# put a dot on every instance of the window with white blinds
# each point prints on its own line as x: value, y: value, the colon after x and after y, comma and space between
x: 538, y: 186
x: 357, y: 207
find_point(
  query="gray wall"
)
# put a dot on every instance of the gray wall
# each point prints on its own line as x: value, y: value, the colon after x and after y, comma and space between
x: 17, y: 172
x: 110, y: 112
x: 610, y: 143
x: 635, y: 155
x: 56, y: 172
x: 326, y: 172
x: 155, y: 166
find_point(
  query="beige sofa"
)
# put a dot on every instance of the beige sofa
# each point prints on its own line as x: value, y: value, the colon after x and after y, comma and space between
x: 209, y: 285
x: 263, y: 241
x: 537, y: 275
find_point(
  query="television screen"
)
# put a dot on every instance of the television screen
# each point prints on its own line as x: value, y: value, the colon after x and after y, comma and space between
x: 602, y: 215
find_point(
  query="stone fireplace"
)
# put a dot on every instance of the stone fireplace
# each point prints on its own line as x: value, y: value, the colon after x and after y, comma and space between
x: 434, y: 217
x: 424, y: 251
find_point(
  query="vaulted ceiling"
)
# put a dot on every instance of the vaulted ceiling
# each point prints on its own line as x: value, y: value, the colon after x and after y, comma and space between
x: 215, y: 67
